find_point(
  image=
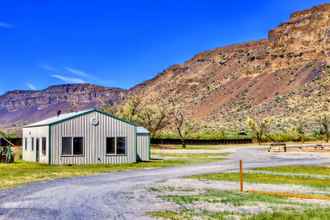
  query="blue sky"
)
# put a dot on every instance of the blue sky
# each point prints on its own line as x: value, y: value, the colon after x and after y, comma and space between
x: 122, y: 43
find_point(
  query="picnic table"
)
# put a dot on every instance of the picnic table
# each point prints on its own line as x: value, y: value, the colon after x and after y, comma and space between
x: 283, y: 147
x: 278, y: 146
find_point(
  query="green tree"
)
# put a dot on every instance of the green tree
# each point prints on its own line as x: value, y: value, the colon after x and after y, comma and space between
x: 301, y: 130
x: 153, y: 117
x: 259, y: 127
x: 324, y: 121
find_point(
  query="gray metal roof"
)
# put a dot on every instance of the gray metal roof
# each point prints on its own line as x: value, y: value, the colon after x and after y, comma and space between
x: 67, y: 116
x: 59, y: 118
x: 142, y: 130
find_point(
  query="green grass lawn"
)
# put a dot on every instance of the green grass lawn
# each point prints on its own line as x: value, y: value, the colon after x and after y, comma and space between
x: 283, y: 205
x: 313, y: 170
x: 281, y: 175
x: 307, y: 214
x: 199, y: 147
x: 226, y: 197
x: 284, y: 210
x: 22, y: 172
x: 269, y: 178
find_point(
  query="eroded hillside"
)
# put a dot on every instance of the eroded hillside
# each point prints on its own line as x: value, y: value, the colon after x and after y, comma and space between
x: 285, y: 76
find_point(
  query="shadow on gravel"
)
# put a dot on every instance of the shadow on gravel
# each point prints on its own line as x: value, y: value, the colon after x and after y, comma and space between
x: 25, y: 213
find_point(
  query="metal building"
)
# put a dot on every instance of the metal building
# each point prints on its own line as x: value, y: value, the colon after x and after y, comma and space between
x: 143, y: 140
x: 85, y: 137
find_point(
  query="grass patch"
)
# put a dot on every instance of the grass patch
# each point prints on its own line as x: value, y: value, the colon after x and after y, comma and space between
x: 216, y: 196
x: 226, y: 197
x: 283, y: 208
x: 268, y: 179
x: 190, y: 158
x: 188, y: 147
x: 167, y: 215
x: 308, y: 214
x: 22, y: 172
x: 188, y: 155
x: 185, y: 214
x: 312, y: 170
x: 293, y: 195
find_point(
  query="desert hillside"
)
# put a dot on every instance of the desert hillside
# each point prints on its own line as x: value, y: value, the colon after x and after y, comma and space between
x: 285, y: 76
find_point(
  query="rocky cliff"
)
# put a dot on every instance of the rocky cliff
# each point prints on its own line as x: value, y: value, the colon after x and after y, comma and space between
x: 285, y: 76
x: 21, y: 107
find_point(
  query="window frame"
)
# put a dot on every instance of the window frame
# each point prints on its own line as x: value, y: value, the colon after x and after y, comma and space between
x: 82, y: 147
x: 43, y: 146
x: 66, y: 155
x: 106, y: 146
x: 116, y: 146
x: 125, y: 147
x: 32, y: 143
x: 72, y: 147
x: 26, y: 144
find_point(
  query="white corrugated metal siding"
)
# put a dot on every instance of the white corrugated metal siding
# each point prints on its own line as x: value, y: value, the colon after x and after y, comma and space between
x: 94, y: 139
x: 35, y: 132
x: 143, y: 144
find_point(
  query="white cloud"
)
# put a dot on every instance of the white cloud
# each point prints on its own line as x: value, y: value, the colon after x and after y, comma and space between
x: 6, y: 25
x: 71, y: 75
x: 31, y: 86
x: 68, y: 79
x: 78, y: 72
x: 48, y: 67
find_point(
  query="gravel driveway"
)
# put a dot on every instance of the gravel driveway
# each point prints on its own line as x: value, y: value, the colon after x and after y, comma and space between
x: 122, y: 195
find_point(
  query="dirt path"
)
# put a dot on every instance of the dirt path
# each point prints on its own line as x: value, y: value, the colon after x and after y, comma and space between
x: 122, y: 195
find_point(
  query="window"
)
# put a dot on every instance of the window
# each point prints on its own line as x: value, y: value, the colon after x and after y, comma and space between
x: 111, y: 145
x: 121, y: 145
x: 25, y: 143
x: 116, y: 145
x: 43, y: 146
x: 32, y: 144
x: 72, y: 146
x: 78, y: 146
x: 66, y: 145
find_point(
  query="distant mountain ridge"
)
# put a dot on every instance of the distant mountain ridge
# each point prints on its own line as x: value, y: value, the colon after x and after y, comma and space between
x: 20, y: 107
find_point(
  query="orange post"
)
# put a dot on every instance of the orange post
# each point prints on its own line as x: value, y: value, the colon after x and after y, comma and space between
x: 241, y: 175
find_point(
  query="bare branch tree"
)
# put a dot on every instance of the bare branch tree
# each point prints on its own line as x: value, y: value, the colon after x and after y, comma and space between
x: 153, y: 117
x: 179, y: 121
x: 109, y: 109
x: 130, y: 109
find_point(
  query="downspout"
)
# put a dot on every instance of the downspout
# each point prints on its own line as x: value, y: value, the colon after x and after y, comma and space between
x: 49, y: 145
x: 136, y: 152
x: 149, y: 146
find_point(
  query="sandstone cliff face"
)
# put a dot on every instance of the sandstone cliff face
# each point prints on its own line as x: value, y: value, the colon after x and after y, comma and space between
x: 285, y: 75
x: 21, y: 107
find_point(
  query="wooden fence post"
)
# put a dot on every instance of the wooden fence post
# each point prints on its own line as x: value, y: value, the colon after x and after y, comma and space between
x: 241, y: 175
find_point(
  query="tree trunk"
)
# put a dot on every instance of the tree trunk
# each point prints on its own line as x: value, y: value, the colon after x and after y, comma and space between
x: 182, y: 138
x: 183, y: 143
x: 259, y: 139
